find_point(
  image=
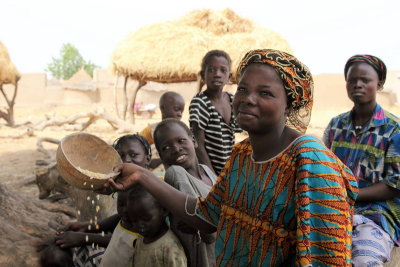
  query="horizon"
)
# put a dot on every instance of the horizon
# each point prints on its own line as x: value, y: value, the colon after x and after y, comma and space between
x: 329, y: 33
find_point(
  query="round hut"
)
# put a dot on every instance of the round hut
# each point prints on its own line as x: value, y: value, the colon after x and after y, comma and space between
x: 8, y: 75
x: 171, y: 52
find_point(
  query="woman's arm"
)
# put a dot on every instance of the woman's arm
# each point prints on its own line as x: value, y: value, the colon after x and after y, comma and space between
x: 378, y: 192
x: 180, y: 204
x: 201, y: 152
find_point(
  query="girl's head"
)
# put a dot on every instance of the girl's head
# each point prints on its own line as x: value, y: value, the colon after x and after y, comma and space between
x: 146, y: 215
x: 175, y: 143
x: 274, y: 88
x: 365, y: 75
x: 51, y: 255
x: 133, y: 148
x: 216, y: 69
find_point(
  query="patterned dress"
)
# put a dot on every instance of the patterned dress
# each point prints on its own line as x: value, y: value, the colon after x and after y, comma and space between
x: 292, y: 210
x: 374, y: 156
x: 219, y: 136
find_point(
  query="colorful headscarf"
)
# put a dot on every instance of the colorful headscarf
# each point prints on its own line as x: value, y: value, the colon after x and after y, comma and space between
x: 296, y: 79
x: 373, y: 61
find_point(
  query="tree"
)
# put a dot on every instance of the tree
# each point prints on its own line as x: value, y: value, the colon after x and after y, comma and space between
x: 69, y: 63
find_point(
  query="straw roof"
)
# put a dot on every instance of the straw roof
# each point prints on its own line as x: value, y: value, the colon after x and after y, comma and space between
x: 172, y: 51
x: 81, y: 80
x: 8, y: 72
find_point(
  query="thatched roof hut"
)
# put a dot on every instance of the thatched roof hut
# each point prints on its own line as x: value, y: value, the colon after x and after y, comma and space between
x: 81, y: 80
x: 8, y: 72
x: 172, y: 51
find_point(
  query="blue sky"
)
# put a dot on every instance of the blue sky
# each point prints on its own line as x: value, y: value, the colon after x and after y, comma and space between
x: 323, y: 34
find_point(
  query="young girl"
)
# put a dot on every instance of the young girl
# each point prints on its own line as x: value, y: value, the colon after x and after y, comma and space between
x: 283, y: 198
x: 157, y: 245
x: 132, y: 149
x: 211, y: 117
x: 367, y: 140
x: 176, y: 145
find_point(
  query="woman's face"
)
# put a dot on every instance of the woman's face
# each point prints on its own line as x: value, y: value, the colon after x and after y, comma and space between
x: 260, y: 101
x: 176, y: 147
x: 362, y: 83
x: 132, y: 151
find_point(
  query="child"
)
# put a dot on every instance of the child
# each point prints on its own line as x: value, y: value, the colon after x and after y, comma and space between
x: 211, y: 117
x: 172, y: 105
x: 283, y: 198
x: 176, y: 146
x: 157, y: 245
x: 132, y: 149
x: 367, y: 140
x: 52, y: 255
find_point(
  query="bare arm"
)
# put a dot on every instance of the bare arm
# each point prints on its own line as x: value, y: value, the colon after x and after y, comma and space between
x: 201, y: 152
x: 171, y: 198
x: 378, y: 192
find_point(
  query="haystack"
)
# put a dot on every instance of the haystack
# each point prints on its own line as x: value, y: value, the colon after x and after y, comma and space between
x: 8, y: 72
x: 172, y: 51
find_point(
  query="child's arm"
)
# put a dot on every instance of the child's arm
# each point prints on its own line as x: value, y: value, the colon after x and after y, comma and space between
x: 377, y: 192
x: 71, y: 239
x: 108, y: 225
x: 180, y: 204
x: 201, y: 152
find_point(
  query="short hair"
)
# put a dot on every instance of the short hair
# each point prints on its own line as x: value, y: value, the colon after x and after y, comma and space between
x: 133, y: 137
x: 168, y: 95
x: 167, y: 122
x: 215, y: 53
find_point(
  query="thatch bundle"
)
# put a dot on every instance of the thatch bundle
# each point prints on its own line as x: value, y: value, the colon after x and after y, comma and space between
x: 8, y: 72
x: 172, y: 51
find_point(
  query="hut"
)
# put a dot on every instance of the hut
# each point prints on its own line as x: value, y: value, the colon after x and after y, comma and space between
x: 80, y: 88
x: 8, y: 75
x: 172, y: 51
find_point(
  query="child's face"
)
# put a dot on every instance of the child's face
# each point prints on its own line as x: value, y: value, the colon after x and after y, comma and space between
x: 122, y: 202
x: 176, y: 147
x: 146, y: 216
x: 217, y: 73
x: 260, y: 102
x: 132, y: 151
x: 173, y: 107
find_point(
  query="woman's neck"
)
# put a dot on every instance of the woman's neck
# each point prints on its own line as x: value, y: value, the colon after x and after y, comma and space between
x: 267, y: 146
x: 362, y: 113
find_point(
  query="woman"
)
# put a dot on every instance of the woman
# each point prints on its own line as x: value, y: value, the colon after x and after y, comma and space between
x: 367, y: 140
x: 282, y: 199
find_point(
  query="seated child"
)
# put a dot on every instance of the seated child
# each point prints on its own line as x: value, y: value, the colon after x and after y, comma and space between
x: 157, y: 245
x: 171, y: 105
x: 132, y: 149
x: 176, y: 146
x: 52, y: 255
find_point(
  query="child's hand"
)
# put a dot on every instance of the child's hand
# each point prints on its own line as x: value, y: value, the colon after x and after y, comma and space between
x: 70, y: 239
x: 77, y: 226
x: 130, y: 174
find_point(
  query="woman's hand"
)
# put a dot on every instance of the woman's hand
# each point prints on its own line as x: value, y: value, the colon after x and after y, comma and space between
x: 130, y: 174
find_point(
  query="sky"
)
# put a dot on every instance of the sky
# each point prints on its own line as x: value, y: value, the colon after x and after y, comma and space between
x: 323, y: 34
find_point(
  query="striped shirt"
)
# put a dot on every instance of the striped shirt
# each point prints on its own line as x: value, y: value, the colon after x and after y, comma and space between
x: 374, y: 156
x: 219, y: 136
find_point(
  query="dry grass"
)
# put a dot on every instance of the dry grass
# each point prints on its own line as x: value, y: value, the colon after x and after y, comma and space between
x: 172, y: 51
x: 8, y: 72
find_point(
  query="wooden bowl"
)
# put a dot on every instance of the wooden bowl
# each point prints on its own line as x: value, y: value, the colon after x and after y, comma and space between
x: 86, y: 161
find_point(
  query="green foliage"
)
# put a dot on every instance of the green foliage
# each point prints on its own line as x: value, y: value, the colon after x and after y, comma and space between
x: 69, y: 62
